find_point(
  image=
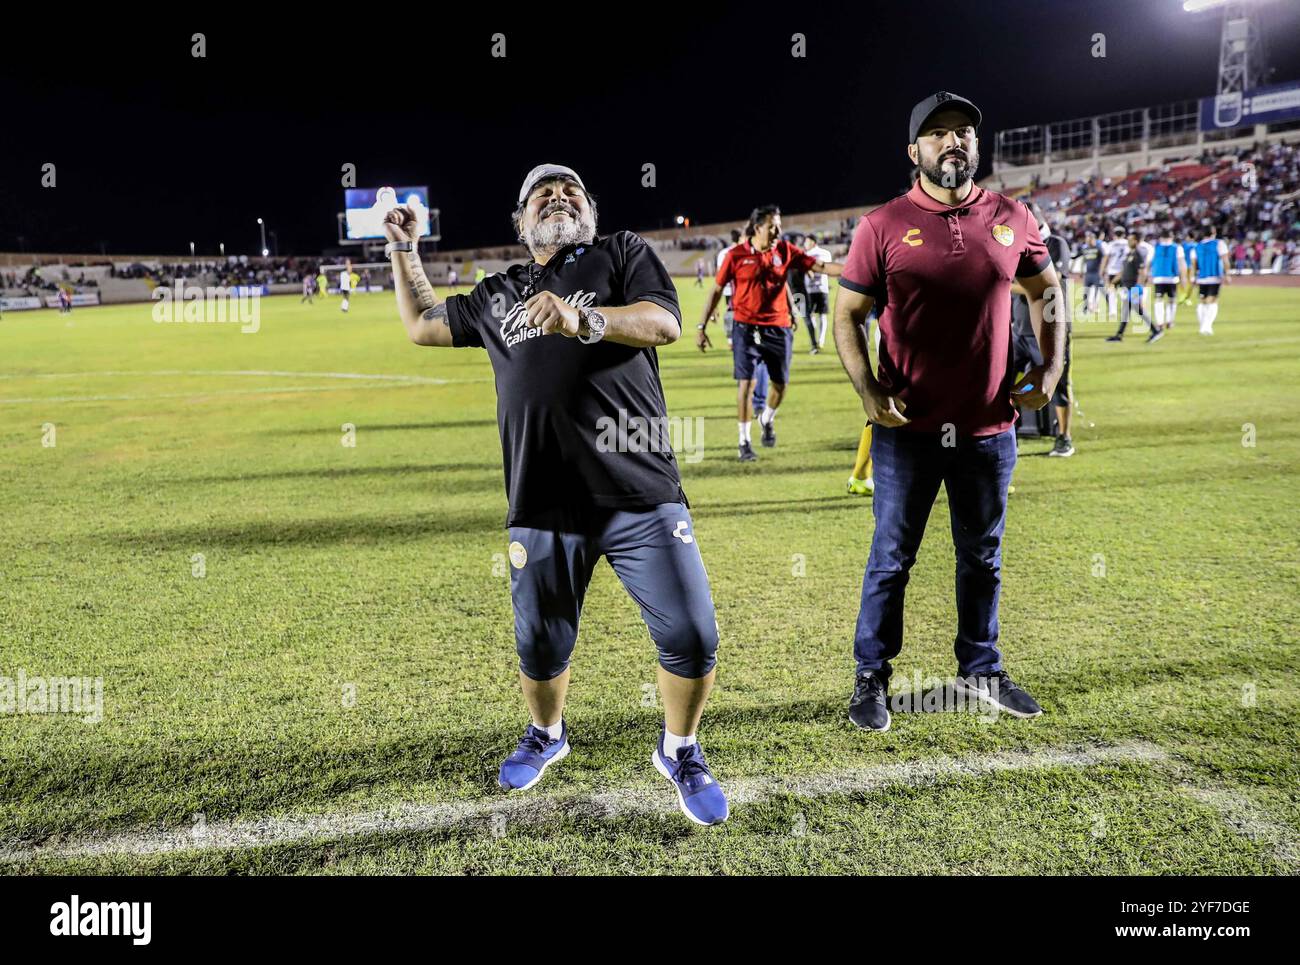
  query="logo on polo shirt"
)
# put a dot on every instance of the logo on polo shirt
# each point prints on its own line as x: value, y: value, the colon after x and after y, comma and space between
x: 518, y: 555
x: 912, y: 236
x: 1003, y: 235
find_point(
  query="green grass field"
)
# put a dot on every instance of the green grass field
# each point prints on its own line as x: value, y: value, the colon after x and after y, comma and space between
x: 339, y: 683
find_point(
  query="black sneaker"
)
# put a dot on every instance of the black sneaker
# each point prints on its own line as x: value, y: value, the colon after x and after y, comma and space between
x: 1115, y: 338
x: 1156, y: 335
x: 747, y: 453
x: 867, y: 707
x: 1001, y: 691
x: 1064, y: 447
x: 769, y: 432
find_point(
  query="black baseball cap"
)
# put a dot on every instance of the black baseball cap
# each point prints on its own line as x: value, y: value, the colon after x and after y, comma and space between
x: 943, y: 100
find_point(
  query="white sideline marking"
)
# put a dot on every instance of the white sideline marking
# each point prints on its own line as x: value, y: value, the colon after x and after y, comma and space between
x: 532, y: 809
x: 1250, y: 821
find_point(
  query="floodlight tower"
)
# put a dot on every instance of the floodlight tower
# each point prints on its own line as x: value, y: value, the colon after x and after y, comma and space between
x: 1242, y: 57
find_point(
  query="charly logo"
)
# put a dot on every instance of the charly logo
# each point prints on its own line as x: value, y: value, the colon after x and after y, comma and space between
x: 518, y: 555
x: 912, y: 237
x: 1003, y: 235
x: 514, y: 327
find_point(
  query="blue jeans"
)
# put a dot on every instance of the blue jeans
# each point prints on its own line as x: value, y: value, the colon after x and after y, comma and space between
x: 908, y: 467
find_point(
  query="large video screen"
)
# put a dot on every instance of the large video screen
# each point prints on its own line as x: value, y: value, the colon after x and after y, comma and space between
x: 365, y: 208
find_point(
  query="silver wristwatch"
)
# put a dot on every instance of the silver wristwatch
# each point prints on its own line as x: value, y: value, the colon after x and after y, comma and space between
x: 393, y: 246
x: 594, y: 322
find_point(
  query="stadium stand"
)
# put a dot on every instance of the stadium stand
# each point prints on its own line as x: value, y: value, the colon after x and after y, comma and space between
x: 1249, y: 194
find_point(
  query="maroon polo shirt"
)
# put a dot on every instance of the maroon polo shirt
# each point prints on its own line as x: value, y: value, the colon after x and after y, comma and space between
x: 941, y: 280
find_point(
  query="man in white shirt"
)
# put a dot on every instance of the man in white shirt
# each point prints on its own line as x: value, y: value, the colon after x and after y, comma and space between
x: 1116, y: 252
x: 345, y: 283
x: 819, y: 287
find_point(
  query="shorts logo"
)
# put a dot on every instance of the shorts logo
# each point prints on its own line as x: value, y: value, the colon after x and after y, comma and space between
x: 912, y: 237
x: 518, y: 555
x: 1003, y: 235
x: 681, y: 534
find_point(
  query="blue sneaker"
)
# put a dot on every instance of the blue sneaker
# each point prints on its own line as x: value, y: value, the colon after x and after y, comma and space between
x: 698, y: 794
x: 536, y: 752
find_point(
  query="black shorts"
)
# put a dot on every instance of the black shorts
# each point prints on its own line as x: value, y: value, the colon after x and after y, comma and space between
x: 1092, y: 281
x: 817, y: 303
x: 769, y: 344
x: 1024, y: 353
x: 1167, y: 288
x: 1209, y: 289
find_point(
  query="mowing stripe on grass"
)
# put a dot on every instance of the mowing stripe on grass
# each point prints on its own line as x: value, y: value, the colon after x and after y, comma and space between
x: 370, y: 382
x: 533, y: 809
x: 1251, y: 821
x: 276, y: 373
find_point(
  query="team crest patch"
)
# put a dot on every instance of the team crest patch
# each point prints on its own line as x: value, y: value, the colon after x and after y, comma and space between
x: 1003, y: 235
x: 518, y: 555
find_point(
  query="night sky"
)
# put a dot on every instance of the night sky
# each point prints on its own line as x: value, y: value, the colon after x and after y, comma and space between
x: 155, y: 148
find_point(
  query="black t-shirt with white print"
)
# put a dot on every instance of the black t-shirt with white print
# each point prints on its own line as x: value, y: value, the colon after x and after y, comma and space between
x: 582, y: 426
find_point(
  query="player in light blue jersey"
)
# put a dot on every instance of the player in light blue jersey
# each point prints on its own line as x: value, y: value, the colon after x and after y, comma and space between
x: 1211, y: 261
x: 1168, y: 271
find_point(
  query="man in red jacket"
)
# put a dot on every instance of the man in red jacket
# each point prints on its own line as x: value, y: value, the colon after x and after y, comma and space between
x: 756, y: 268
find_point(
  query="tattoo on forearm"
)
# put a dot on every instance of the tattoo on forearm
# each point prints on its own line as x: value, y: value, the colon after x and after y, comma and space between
x: 437, y: 311
x: 421, y: 290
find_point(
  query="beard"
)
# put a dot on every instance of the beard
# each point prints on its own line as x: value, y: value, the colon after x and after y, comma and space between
x: 964, y: 166
x: 580, y: 229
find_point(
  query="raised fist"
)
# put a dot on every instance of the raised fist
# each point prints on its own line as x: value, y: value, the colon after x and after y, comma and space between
x: 400, y: 225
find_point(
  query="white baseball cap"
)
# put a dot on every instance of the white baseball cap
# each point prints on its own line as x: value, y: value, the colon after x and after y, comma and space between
x: 543, y: 172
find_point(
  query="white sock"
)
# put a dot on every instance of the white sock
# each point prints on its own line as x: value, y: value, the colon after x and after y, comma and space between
x: 1211, y: 313
x: 553, y: 731
x: 1200, y: 314
x: 672, y: 742
x: 1110, y: 301
x: 768, y: 415
x: 744, y: 431
x: 1160, y: 311
x: 1170, y: 311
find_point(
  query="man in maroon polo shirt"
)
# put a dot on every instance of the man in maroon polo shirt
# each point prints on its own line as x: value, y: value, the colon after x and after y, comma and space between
x: 938, y: 263
x: 757, y: 268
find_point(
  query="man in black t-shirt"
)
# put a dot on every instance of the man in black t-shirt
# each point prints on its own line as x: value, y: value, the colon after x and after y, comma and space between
x: 589, y: 465
x: 1025, y: 341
